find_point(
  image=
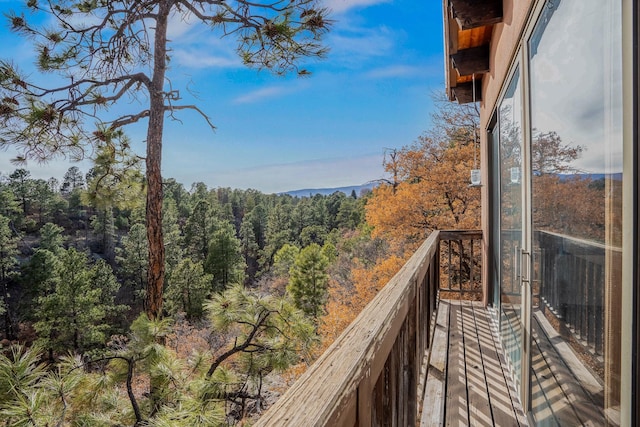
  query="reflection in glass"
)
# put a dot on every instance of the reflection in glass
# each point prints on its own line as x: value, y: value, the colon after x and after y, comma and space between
x: 576, y: 163
x: 510, y: 150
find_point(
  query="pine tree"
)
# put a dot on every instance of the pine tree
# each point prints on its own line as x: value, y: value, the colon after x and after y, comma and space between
x: 9, y: 206
x: 43, y: 199
x: 188, y: 287
x: 250, y: 248
x: 104, y: 227
x: 51, y: 237
x: 132, y: 258
x: 198, y: 230
x: 279, y: 228
x: 308, y: 281
x: 117, y: 50
x: 75, y: 314
x: 172, y: 236
x: 284, y: 259
x: 224, y: 260
x: 21, y: 184
x: 8, y: 263
x: 72, y: 180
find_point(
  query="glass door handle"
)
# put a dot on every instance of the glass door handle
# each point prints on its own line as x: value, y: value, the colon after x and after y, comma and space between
x: 523, y: 265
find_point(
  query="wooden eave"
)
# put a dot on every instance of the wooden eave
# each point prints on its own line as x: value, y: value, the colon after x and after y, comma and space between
x: 468, y: 27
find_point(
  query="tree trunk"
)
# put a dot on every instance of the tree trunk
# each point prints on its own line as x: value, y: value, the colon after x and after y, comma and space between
x: 155, y: 275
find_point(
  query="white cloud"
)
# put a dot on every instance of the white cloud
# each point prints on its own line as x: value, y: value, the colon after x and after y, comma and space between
x: 356, y: 45
x: 340, y: 6
x: 198, y: 57
x: 180, y: 24
x: 395, y: 71
x: 261, y: 94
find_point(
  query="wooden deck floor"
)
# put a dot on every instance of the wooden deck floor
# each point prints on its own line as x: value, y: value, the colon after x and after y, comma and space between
x: 564, y: 392
x: 467, y: 381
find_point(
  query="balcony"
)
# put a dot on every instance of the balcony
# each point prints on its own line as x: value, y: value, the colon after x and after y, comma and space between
x: 376, y: 372
x: 426, y: 352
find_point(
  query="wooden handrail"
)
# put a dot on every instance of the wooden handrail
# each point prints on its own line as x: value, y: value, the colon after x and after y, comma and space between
x: 370, y: 374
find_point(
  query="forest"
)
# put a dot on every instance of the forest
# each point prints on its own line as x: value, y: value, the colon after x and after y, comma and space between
x: 256, y: 286
x: 128, y: 299
x: 73, y: 266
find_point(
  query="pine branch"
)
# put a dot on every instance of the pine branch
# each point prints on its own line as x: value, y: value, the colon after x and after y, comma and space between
x: 262, y: 318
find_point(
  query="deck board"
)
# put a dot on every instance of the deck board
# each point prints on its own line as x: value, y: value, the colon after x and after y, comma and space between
x: 478, y: 394
x: 558, y: 394
x: 465, y: 368
x: 504, y: 407
x: 433, y: 413
x: 457, y: 404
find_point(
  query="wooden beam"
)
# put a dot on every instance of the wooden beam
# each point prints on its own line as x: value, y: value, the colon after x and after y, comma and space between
x: 464, y: 92
x: 477, y: 13
x: 471, y: 61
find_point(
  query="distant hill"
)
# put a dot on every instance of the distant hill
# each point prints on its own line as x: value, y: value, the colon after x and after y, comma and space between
x: 310, y: 192
x: 592, y: 176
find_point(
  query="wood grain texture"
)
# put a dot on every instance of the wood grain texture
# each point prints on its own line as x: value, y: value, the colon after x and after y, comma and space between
x: 361, y: 352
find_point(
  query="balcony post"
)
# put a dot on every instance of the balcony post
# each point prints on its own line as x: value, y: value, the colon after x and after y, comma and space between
x: 365, y: 394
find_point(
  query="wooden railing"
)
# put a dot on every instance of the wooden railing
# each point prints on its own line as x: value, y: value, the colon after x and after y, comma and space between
x: 370, y: 375
x: 569, y: 279
x: 461, y: 269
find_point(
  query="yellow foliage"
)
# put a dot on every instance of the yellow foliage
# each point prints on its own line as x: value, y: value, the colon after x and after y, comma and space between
x: 343, y: 306
x: 434, y: 195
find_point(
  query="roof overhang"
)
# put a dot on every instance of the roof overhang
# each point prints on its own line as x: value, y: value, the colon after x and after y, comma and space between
x: 468, y: 26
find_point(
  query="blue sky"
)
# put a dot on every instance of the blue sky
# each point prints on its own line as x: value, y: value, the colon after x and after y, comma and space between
x: 274, y: 134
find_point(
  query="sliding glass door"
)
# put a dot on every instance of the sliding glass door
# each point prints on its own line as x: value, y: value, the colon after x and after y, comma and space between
x: 509, y: 147
x: 574, y: 70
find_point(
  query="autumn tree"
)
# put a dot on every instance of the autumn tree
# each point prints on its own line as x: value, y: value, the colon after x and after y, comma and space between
x: 344, y: 303
x: 113, y: 51
x: 433, y: 189
x: 549, y: 154
x: 574, y: 197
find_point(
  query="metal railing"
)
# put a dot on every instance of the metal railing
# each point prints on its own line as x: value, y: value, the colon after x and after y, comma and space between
x: 370, y: 375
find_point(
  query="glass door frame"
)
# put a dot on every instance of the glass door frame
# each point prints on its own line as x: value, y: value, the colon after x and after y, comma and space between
x: 523, y: 260
x: 630, y: 333
x: 630, y: 330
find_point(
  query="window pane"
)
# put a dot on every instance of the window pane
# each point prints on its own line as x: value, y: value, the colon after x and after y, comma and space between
x: 576, y: 162
x: 509, y: 121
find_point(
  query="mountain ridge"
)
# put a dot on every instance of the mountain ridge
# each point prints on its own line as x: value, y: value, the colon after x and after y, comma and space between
x: 310, y: 192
